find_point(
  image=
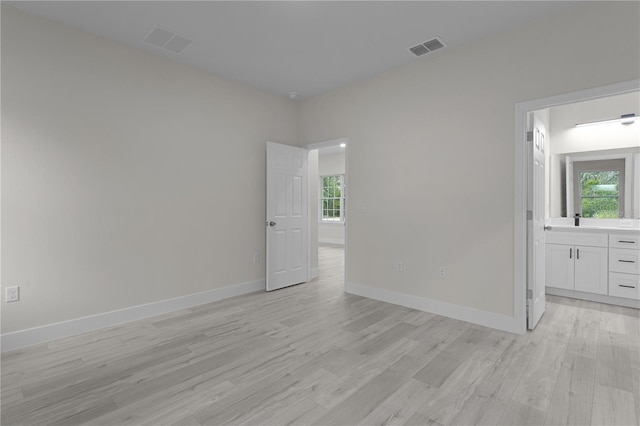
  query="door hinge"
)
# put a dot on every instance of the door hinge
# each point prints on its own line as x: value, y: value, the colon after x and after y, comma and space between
x: 530, y: 136
x: 529, y: 294
x: 529, y: 214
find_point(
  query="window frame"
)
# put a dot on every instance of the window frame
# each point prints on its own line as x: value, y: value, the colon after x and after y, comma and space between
x: 321, y: 198
x: 598, y: 166
x: 576, y: 164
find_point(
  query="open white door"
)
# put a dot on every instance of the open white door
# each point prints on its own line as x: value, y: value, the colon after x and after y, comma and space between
x: 536, y: 228
x: 287, y: 215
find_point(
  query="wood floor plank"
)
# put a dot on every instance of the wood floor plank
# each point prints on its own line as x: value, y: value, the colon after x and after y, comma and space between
x: 443, y: 365
x: 362, y: 402
x: 236, y: 407
x: 612, y: 406
x: 419, y: 419
x: 480, y: 410
x: 312, y: 354
x: 448, y: 400
x: 573, y: 394
x: 364, y: 322
x: 401, y: 405
x: 539, y: 380
x: 521, y: 415
x: 584, y: 338
x: 613, y: 364
x: 385, y: 339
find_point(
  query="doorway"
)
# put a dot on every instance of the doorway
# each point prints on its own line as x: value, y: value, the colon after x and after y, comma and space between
x: 523, y: 186
x: 328, y: 211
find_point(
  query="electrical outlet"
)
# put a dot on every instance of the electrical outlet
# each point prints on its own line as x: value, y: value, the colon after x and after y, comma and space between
x: 442, y: 272
x: 399, y: 267
x: 256, y: 257
x: 12, y: 294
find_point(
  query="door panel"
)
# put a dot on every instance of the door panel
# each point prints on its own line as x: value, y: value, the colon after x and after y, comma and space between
x: 536, y: 240
x: 287, y: 216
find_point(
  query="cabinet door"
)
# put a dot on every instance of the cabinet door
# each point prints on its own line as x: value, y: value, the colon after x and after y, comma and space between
x: 591, y: 271
x: 559, y: 266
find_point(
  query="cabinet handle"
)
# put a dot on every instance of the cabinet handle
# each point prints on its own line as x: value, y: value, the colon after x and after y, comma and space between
x: 570, y: 252
x: 626, y: 242
x: 577, y: 254
x: 626, y: 261
x: 625, y: 286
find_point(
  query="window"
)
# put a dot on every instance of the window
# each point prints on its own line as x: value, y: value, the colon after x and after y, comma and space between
x: 599, y: 188
x: 331, y: 198
x: 600, y: 194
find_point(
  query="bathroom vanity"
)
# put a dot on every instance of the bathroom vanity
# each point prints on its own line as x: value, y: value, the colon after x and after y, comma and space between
x: 601, y: 264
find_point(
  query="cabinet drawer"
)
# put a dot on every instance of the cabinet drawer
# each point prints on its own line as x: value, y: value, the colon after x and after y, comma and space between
x: 625, y: 261
x: 624, y: 241
x: 624, y: 285
x: 577, y: 238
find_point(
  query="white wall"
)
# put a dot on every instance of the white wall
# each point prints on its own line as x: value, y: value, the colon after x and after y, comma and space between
x: 126, y: 178
x: 331, y: 164
x: 441, y: 130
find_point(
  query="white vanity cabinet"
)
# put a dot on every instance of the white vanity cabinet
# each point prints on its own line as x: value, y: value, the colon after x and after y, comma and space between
x: 603, y: 264
x: 577, y: 261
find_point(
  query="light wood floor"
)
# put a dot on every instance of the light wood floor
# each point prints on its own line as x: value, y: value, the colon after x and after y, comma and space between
x: 311, y: 354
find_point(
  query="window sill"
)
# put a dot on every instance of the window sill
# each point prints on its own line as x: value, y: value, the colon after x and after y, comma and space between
x: 331, y: 222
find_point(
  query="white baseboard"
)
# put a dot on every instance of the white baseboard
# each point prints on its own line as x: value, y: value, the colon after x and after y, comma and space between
x: 592, y: 297
x: 463, y: 313
x: 315, y: 273
x: 331, y: 240
x: 45, y: 333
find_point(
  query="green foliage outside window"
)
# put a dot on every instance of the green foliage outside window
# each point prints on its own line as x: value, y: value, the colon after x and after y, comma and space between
x: 600, y: 194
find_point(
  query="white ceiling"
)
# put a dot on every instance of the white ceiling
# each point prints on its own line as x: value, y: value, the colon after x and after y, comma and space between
x: 307, y: 47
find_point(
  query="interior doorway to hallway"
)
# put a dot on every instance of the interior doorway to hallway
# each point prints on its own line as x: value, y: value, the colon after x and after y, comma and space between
x: 328, y: 210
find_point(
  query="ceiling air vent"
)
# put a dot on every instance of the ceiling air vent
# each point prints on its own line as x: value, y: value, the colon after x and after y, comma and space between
x: 167, y: 40
x: 427, y: 46
x: 419, y: 50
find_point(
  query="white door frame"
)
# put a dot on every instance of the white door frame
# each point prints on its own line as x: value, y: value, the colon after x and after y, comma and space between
x: 329, y: 144
x: 521, y: 186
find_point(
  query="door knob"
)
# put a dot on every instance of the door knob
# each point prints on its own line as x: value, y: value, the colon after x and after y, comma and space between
x: 548, y: 228
x: 272, y: 223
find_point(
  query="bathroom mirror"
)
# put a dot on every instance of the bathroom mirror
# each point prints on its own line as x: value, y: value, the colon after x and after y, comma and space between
x: 593, y: 162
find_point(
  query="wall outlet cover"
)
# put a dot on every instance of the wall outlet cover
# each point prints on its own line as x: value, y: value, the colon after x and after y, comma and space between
x: 442, y: 272
x: 12, y: 294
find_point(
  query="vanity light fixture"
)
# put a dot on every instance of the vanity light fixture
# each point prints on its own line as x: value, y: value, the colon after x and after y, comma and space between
x: 625, y: 119
x: 343, y: 145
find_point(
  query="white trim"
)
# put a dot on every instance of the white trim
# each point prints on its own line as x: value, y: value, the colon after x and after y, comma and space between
x: 331, y: 240
x: 601, y: 298
x: 463, y: 313
x: 45, y: 333
x: 520, y: 181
